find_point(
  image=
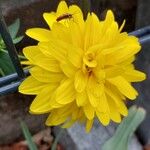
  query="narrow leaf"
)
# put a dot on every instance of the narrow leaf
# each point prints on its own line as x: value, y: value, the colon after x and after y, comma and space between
x: 18, y: 39
x: 28, y: 136
x: 2, y: 73
x: 125, y: 130
x: 6, y: 64
x: 13, y: 28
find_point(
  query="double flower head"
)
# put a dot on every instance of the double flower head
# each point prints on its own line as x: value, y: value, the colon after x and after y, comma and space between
x: 80, y: 69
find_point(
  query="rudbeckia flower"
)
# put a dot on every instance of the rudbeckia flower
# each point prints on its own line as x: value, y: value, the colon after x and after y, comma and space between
x: 82, y: 70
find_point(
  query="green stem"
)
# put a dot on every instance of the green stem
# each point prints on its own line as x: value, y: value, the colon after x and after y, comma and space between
x: 54, y: 145
x: 2, y: 72
x: 20, y: 56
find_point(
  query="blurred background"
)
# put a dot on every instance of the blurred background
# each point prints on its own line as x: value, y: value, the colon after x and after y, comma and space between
x: 15, y: 106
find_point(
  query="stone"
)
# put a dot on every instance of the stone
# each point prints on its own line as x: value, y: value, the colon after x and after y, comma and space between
x: 134, y: 144
x: 75, y: 138
x: 13, y: 108
x: 143, y: 13
x: 143, y: 63
x: 143, y: 100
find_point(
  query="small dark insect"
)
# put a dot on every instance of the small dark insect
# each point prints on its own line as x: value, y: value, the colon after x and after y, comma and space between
x: 64, y: 16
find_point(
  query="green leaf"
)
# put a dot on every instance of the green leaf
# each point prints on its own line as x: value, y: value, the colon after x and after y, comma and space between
x: 28, y: 136
x: 14, y: 28
x: 6, y: 64
x: 125, y: 130
x: 18, y: 39
x: 54, y: 145
x: 2, y: 73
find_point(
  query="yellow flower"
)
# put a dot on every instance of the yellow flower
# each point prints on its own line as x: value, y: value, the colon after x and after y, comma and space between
x: 62, y: 12
x: 82, y: 70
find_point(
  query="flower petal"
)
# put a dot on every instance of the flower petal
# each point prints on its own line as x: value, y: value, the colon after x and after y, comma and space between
x: 31, y: 86
x: 65, y: 93
x: 108, y: 21
x: 94, y: 91
x: 124, y: 51
x: 31, y: 52
x: 92, y: 31
x: 134, y: 76
x: 124, y: 87
x: 68, y: 69
x: 104, y: 118
x: 41, y: 103
x: 77, y: 16
x: 114, y: 113
x: 81, y: 98
x: 55, y: 48
x: 75, y: 55
x: 54, y: 120
x: 80, y: 81
x: 62, y: 8
x: 39, y: 34
x: 47, y: 63
x: 50, y: 18
x: 102, y: 106
x: 89, y: 124
x: 45, y: 76
x: 89, y: 111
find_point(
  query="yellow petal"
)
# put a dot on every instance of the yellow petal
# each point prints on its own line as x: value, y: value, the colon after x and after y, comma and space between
x: 76, y: 35
x: 114, y: 113
x: 122, y: 26
x: 68, y: 124
x: 124, y: 87
x: 111, y: 34
x: 93, y: 92
x: 100, y: 74
x: 92, y: 31
x: 31, y: 52
x: 47, y: 63
x: 65, y: 93
x: 89, y: 124
x: 45, y: 76
x: 113, y: 71
x: 68, y: 69
x: 89, y: 111
x: 124, y: 51
x: 104, y: 118
x: 62, y: 8
x: 94, y: 87
x: 59, y: 116
x: 80, y: 81
x: 134, y: 76
x: 26, y: 63
x: 77, y: 16
x: 75, y: 56
x: 55, y: 48
x: 41, y: 103
x: 50, y: 18
x: 115, y: 116
x: 61, y: 32
x: 102, y: 106
x: 39, y: 34
x: 108, y: 21
x: 31, y: 86
x: 54, y: 119
x: 81, y: 98
x: 93, y: 99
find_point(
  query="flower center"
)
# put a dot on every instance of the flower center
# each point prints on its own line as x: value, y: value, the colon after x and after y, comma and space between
x: 89, y: 62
